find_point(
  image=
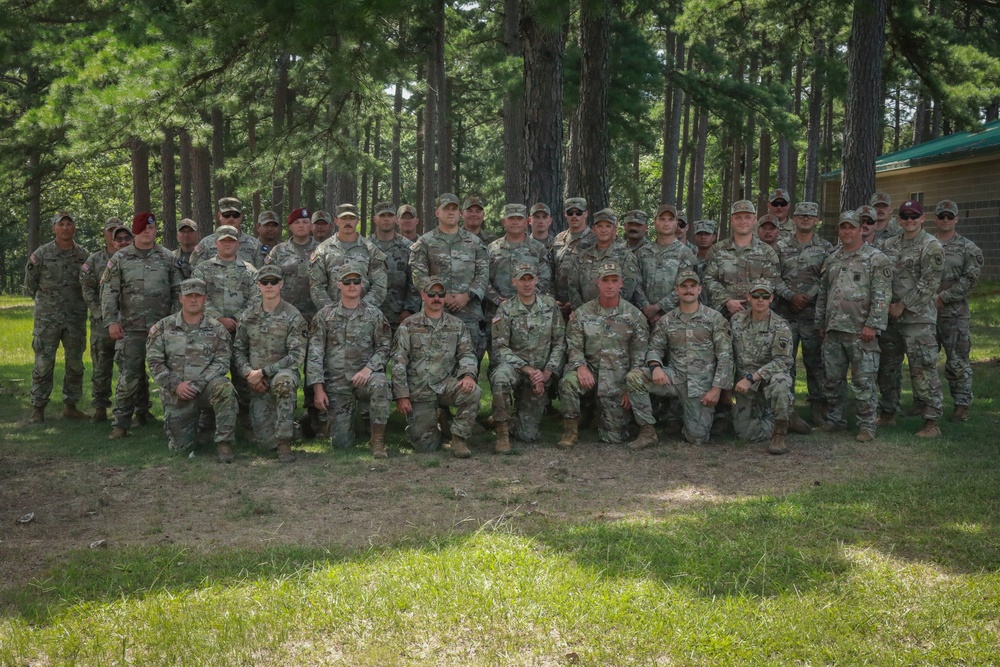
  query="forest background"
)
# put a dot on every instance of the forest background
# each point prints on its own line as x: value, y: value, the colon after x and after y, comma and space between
x: 108, y: 107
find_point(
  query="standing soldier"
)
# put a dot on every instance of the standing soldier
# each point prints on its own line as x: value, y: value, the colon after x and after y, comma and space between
x: 528, y: 349
x: 659, y: 263
x: 187, y: 240
x: 917, y: 261
x: 682, y: 232
x: 434, y: 363
x: 886, y: 224
x: 510, y: 251
x: 230, y: 215
x: 605, y: 339
x: 52, y: 279
x: 102, y: 345
x: 348, y: 352
x: 778, y: 205
x: 322, y: 226
x: 768, y: 230
x: 291, y: 258
x: 636, y: 225
x: 408, y: 222
x: 540, y: 223
x: 139, y: 288
x: 855, y: 285
x: 704, y: 239
x: 566, y: 245
x: 589, y: 262
x: 268, y: 351
x: 346, y: 247
x: 268, y: 232
x: 229, y: 280
x: 189, y: 357
x: 869, y: 219
x: 963, y: 261
x: 401, y: 300
x: 473, y: 214
x: 801, y: 256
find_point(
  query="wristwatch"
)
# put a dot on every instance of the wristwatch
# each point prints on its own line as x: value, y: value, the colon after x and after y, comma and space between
x: 750, y: 378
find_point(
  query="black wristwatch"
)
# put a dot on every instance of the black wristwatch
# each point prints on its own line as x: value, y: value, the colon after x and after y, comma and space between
x: 750, y: 378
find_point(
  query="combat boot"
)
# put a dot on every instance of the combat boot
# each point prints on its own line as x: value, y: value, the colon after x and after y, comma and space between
x: 778, y: 445
x: 930, y: 429
x: 100, y: 415
x: 917, y: 410
x: 144, y: 418
x: 818, y: 412
x: 961, y: 414
x: 285, y: 454
x: 647, y: 438
x: 378, y: 442
x: 570, y: 433
x: 864, y: 435
x: 225, y: 452
x: 503, y: 438
x: 117, y: 433
x: 886, y: 419
x: 830, y: 427
x: 798, y: 425
x: 444, y: 422
x: 70, y: 412
x: 37, y: 415
x: 458, y: 448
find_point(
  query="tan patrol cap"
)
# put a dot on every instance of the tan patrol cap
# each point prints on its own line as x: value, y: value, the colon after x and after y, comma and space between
x: 189, y: 223
x: 705, y: 227
x: 266, y: 217
x: 525, y: 270
x: 321, y: 215
x: 111, y: 223
x: 473, y: 200
x: 445, y: 199
x: 664, y: 208
x: 541, y: 207
x: 637, y: 216
x: 762, y: 286
x: 404, y: 209
x: 227, y: 204
x: 808, y: 208
x: 347, y: 211
x: 227, y: 232
x: 743, y: 206
x: 60, y: 215
x: 777, y: 194
x: 946, y: 206
x: 880, y: 198
x: 768, y: 220
x: 606, y: 215
x: 575, y: 202
x: 609, y: 269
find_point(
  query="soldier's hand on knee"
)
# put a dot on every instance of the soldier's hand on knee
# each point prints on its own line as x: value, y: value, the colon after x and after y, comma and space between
x: 360, y: 378
x: 626, y: 403
x: 868, y: 334
x: 711, y: 397
x: 403, y: 406
x: 320, y: 399
x: 185, y: 391
x: 660, y: 377
x: 466, y: 385
x: 587, y: 380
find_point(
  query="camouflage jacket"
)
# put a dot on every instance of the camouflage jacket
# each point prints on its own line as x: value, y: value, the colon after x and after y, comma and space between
x: 293, y: 260
x: 90, y: 283
x: 180, y: 352
x: 427, y: 352
x: 801, y: 265
x: 586, y: 267
x: 963, y: 262
x: 530, y: 335
x: 400, y: 294
x: 139, y: 287
x: 272, y: 341
x: 249, y: 250
x: 460, y: 259
x: 761, y: 347
x: 695, y: 347
x: 854, y: 290
x: 547, y: 243
x: 230, y: 287
x: 731, y: 270
x: 504, y: 258
x: 485, y: 236
x: 610, y: 341
x: 564, y: 248
x: 658, y: 269
x: 183, y: 263
x: 52, y: 279
x: 891, y: 229
x: 787, y: 228
x: 329, y: 259
x: 343, y: 341
x: 916, y: 275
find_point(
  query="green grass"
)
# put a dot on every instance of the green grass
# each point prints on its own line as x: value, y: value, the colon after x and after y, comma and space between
x: 899, y: 568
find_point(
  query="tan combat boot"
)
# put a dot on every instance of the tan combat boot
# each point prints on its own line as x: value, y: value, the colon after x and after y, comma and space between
x: 917, y: 410
x: 100, y: 415
x: 225, y: 452
x: 930, y: 429
x: 778, y: 445
x: 503, y: 438
x: 458, y: 448
x: 571, y: 429
x: 285, y: 454
x: 647, y: 438
x: 378, y: 441
x: 961, y: 414
x: 864, y: 435
x: 444, y: 422
x: 37, y: 415
x: 70, y: 412
x: 886, y: 419
x: 818, y: 412
x: 117, y: 433
x: 830, y: 427
x: 798, y: 425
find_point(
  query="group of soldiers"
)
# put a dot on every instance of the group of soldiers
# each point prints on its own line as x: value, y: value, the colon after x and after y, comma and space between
x: 631, y: 332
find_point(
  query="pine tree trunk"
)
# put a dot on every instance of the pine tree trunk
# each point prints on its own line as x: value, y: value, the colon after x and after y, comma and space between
x: 430, y: 134
x: 34, y: 201
x: 591, y: 139
x: 815, y: 121
x: 252, y: 147
x: 140, y: 175
x: 377, y: 155
x: 168, y: 186
x: 793, y: 151
x: 698, y: 171
x: 445, y: 180
x: 763, y: 170
x: 186, y: 158
x: 218, y: 154
x: 363, y: 204
x: 201, y: 177
x: 514, y: 181
x: 685, y: 148
x: 397, y: 133
x: 783, y: 143
x: 280, y: 103
x: 671, y: 120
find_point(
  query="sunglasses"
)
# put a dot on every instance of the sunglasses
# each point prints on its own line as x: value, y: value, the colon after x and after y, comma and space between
x: 436, y: 295
x: 682, y: 224
x: 779, y: 203
x: 574, y: 213
x: 946, y: 216
x: 760, y: 295
x: 270, y: 282
x: 909, y: 216
x: 232, y: 214
x: 351, y: 281
x: 122, y: 239
x: 868, y: 223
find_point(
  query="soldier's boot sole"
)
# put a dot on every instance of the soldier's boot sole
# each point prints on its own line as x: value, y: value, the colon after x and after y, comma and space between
x: 647, y: 438
x: 378, y: 442
x: 117, y: 433
x: 70, y: 412
x: 930, y: 429
x: 961, y: 414
x: 571, y: 431
x: 864, y: 435
x: 100, y: 415
x: 459, y: 449
x: 886, y: 419
x: 225, y: 452
x: 778, y: 444
x: 285, y: 453
x: 797, y: 424
x: 503, y: 438
x: 37, y: 416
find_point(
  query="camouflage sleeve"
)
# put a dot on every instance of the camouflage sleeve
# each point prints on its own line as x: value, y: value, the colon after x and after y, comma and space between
x: 500, y: 326
x: 772, y: 272
x: 544, y: 272
x: 465, y: 353
x: 316, y: 352
x: 295, y: 346
x: 631, y: 278
x: 319, y: 281
x: 659, y: 341
x: 723, y: 343
x: 241, y: 349
x: 111, y: 287
x: 881, y: 280
x: 925, y: 291
x: 822, y: 292
x: 175, y: 287
x: 196, y: 254
x: 222, y: 353
x: 250, y: 286
x: 671, y: 300
x: 378, y: 277
x: 574, y: 292
x: 716, y: 290
x: 781, y: 352
x: 972, y: 266
x: 492, y: 294
x: 419, y: 264
x: 156, y: 357
x: 639, y: 298
x: 32, y: 273
x: 575, y: 348
x: 557, y: 353
x: 411, y: 298
x: 481, y: 279
x: 91, y: 286
x: 383, y: 342
x: 400, y: 362
x: 638, y: 344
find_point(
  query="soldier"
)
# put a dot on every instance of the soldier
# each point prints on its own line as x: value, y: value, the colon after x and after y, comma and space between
x: 187, y: 240
x: 434, y: 363
x: 693, y: 341
x: 473, y: 213
x: 528, y: 349
x: 268, y: 232
x: 509, y: 252
x: 189, y: 356
x: 963, y: 262
x: 230, y: 215
x: 801, y: 256
x: 768, y: 230
x: 566, y: 245
x: 348, y: 352
x: 102, y: 345
x: 269, y: 349
x: 406, y: 217
x: 868, y: 218
x: 682, y: 232
x: 322, y: 226
x: 704, y: 239
x: 605, y: 339
x: 229, y: 281
x: 659, y: 263
x: 762, y: 349
x: 401, y: 300
x: 917, y: 261
x: 347, y: 247
x: 855, y: 285
x: 52, y: 279
x: 540, y: 224
x: 636, y: 226
x: 778, y: 206
x: 291, y: 257
x: 460, y: 259
x: 139, y: 288
x: 589, y: 262
x: 886, y: 223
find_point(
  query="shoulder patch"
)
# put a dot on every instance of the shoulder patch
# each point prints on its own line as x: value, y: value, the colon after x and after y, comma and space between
x: 311, y: 329
x: 153, y: 330
x: 887, y: 272
x: 85, y: 266
x: 979, y: 259
x: 314, y: 256
x: 109, y: 264
x: 33, y: 259
x: 497, y: 318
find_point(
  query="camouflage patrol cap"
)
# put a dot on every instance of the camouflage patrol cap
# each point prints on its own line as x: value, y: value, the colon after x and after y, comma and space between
x: 227, y: 232
x: 637, y: 216
x: 743, y: 206
x: 445, y: 199
x: 121, y: 228
x: 193, y: 286
x: 540, y: 207
x: 685, y: 275
x: 60, y: 215
x: 768, y: 220
x: 432, y: 281
x: 110, y: 223
x: 778, y: 193
x: 187, y: 223
x: 346, y: 211
x: 850, y: 217
x: 269, y: 271
x: 269, y: 216
x: 605, y: 215
x: 473, y: 200
x: 227, y: 204
x: 663, y: 208
x: 384, y: 207
x: 866, y: 212
x: 404, y: 209
x: 609, y: 269
x: 515, y: 211
x: 682, y: 215
x: 762, y: 286
x: 349, y: 270
x: 525, y: 270
x: 575, y: 202
x: 705, y: 227
x: 321, y: 216
x: 880, y: 198
x: 946, y: 206
x: 808, y: 208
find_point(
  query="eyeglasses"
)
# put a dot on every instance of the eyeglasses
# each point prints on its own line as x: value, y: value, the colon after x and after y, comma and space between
x: 682, y: 224
x: 436, y: 295
x: 760, y: 295
x: 574, y: 213
x: 946, y: 216
x: 270, y: 282
x: 123, y: 239
x: 232, y: 214
x: 909, y: 216
x: 780, y: 203
x: 351, y: 281
x: 868, y: 222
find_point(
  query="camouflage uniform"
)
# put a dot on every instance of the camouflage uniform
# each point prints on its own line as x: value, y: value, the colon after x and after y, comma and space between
x: 610, y: 342
x: 249, y: 250
x: 854, y: 293
x: 764, y: 348
x: 658, y: 269
x: 275, y: 343
x: 565, y: 247
x: 293, y: 260
x: 400, y: 294
x: 963, y: 262
x: 732, y: 270
x: 916, y: 276
x: 890, y: 230
x: 230, y: 286
x: 429, y: 357
x: 52, y: 279
x: 102, y: 345
x: 485, y: 236
x: 183, y: 262
x: 801, y: 265
x: 462, y: 260
x: 138, y: 289
x: 504, y: 257
x: 525, y: 336
x: 199, y: 354
x: 586, y: 266
x: 696, y: 352
x: 332, y: 255
x: 342, y: 342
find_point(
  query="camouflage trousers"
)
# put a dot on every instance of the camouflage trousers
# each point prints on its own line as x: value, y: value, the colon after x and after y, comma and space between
x: 181, y: 418
x: 132, y: 391
x: 954, y: 337
x: 272, y: 413
x: 614, y: 421
x: 421, y: 423
x: 758, y: 409
x: 697, y: 418
x: 45, y: 340
x: 376, y: 396
x: 475, y: 328
x: 846, y: 351
x: 919, y: 344
x: 805, y: 333
x: 511, y: 388
x: 102, y: 359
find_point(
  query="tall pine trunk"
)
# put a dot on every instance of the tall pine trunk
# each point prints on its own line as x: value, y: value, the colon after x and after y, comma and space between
x: 514, y: 176
x: 168, y: 186
x: 140, y: 175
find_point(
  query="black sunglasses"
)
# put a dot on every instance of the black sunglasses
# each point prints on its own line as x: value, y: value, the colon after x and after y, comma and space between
x: 682, y: 224
x: 232, y: 214
x: 122, y: 239
x: 780, y: 202
x: 909, y: 216
x: 436, y: 295
x: 351, y: 281
x: 760, y: 295
x: 269, y: 281
x: 868, y: 222
x: 574, y: 212
x: 946, y: 216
